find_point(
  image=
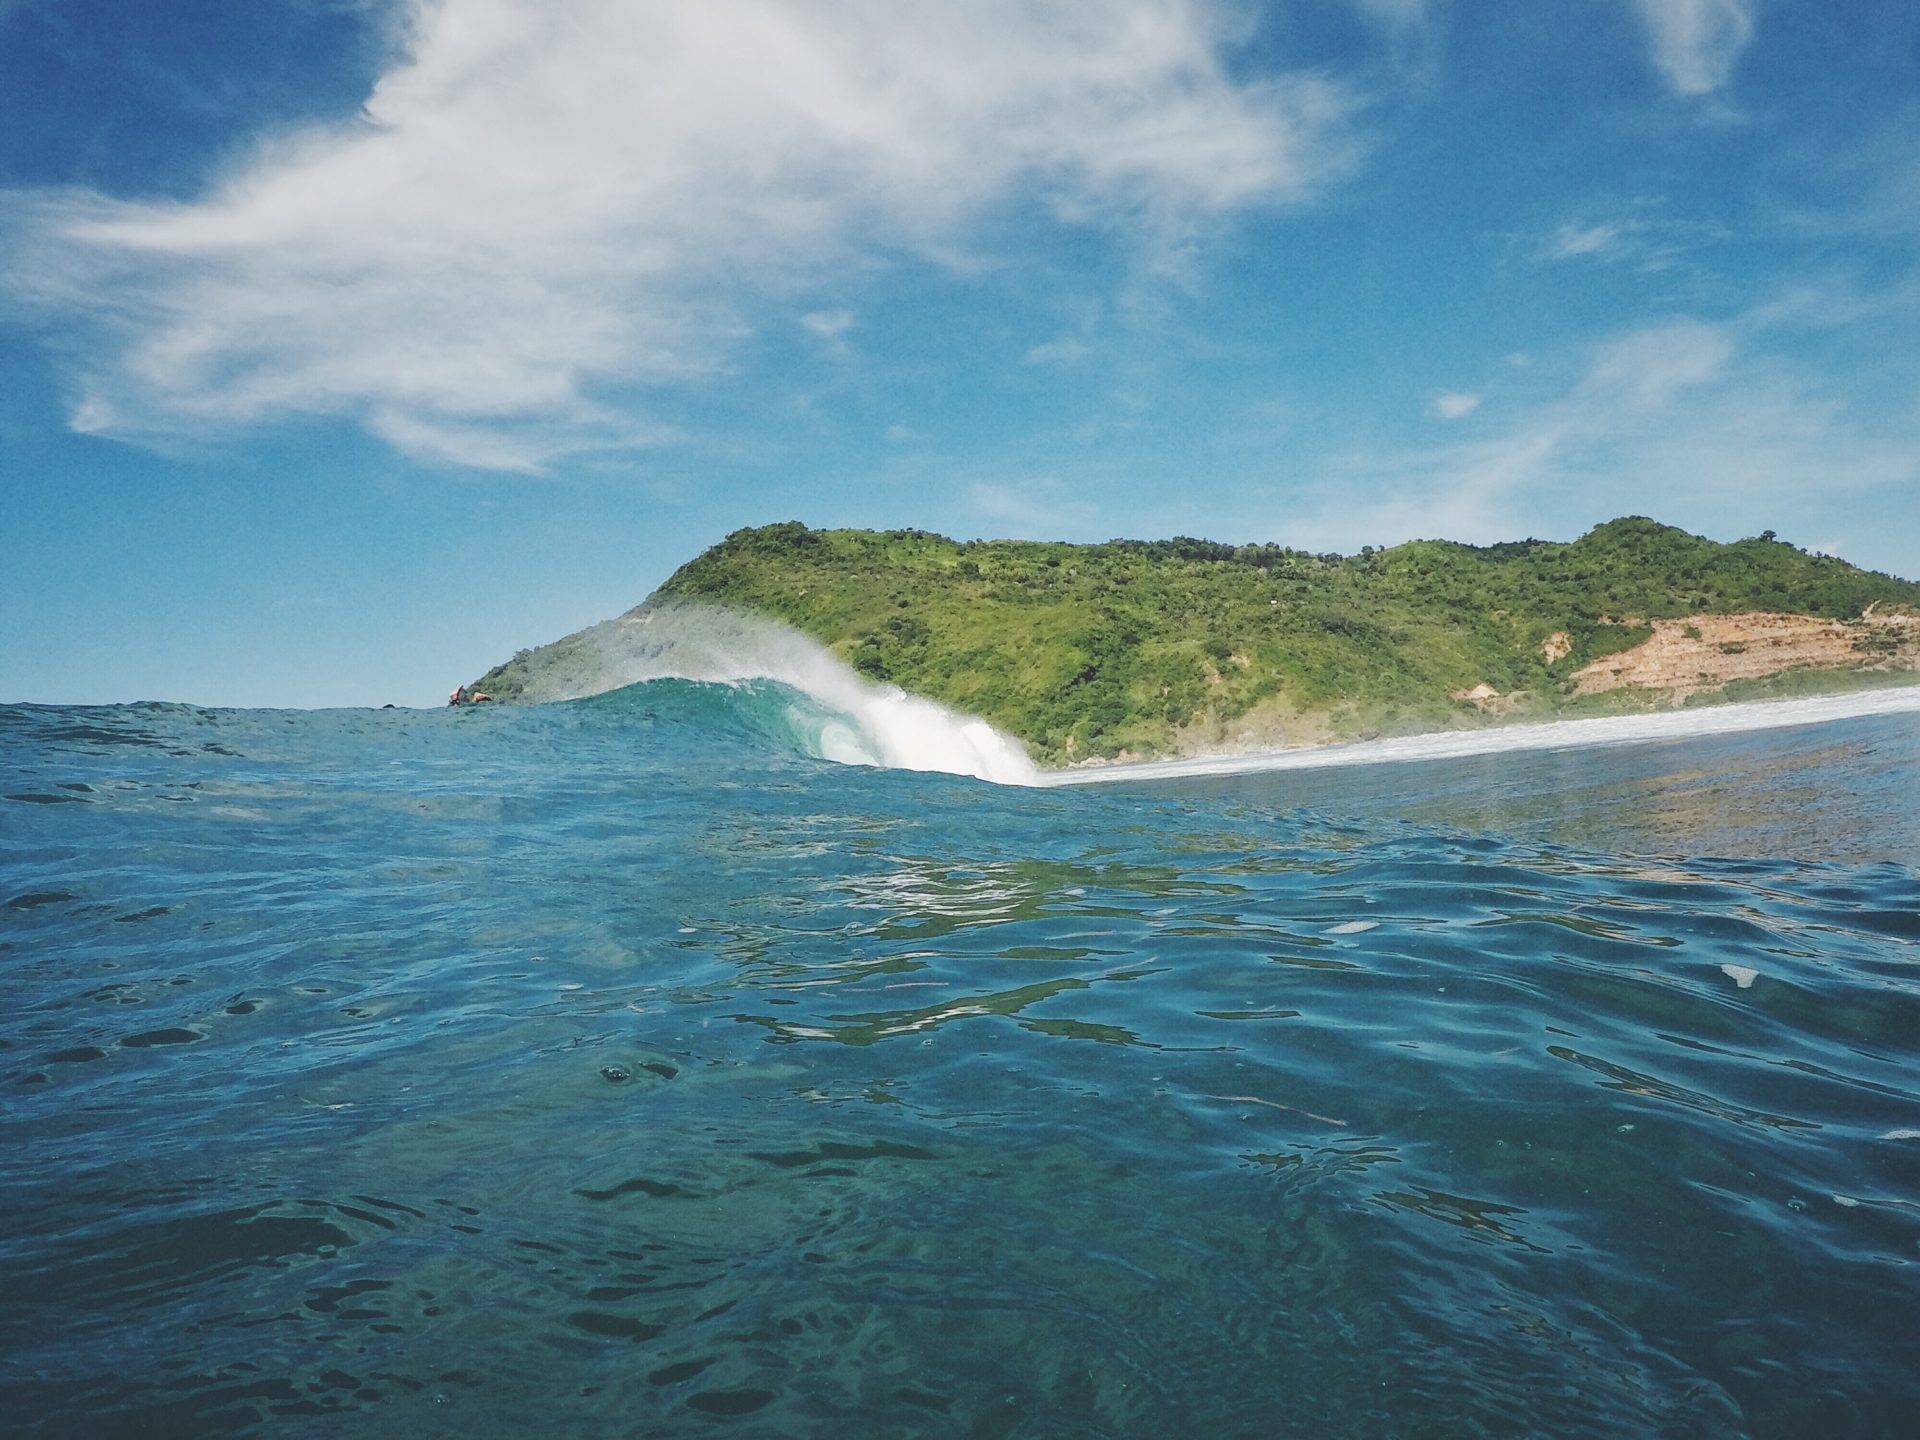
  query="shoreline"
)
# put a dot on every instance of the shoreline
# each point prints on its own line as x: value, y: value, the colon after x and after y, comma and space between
x: 1584, y: 731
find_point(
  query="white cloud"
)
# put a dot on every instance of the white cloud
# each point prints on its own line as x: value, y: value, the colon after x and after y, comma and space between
x: 1452, y: 404
x: 1395, y: 14
x: 1066, y: 351
x: 1869, y: 190
x: 1644, y: 370
x: 1834, y: 301
x: 1639, y: 236
x: 1034, y: 509
x: 1574, y: 241
x: 1682, y: 419
x: 831, y: 328
x: 1413, y: 33
x: 1696, y: 43
x: 829, y: 324
x: 545, y: 210
x: 1408, y: 23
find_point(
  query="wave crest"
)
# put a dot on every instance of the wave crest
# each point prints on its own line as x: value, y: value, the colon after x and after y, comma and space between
x: 857, y: 721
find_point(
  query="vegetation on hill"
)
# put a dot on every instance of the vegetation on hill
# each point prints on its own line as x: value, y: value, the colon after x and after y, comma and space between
x: 1155, y: 647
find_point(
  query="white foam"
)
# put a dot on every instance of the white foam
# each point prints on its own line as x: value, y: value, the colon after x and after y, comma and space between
x: 906, y: 732
x: 1552, y: 735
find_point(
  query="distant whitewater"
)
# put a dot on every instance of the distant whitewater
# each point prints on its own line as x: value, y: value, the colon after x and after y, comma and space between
x: 1549, y: 735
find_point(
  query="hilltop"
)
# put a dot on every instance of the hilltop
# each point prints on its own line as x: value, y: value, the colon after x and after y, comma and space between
x: 1137, y: 648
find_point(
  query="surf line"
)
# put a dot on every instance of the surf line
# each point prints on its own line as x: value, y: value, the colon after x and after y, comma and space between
x: 1498, y: 739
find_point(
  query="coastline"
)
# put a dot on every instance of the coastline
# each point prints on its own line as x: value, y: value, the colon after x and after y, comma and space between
x: 1569, y: 733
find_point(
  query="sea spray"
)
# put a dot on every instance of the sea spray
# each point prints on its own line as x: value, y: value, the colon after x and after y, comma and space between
x: 865, y: 723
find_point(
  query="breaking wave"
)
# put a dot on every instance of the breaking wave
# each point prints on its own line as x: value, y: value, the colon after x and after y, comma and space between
x: 827, y: 710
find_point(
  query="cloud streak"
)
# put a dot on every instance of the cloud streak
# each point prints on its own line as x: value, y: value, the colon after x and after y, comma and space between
x: 1636, y: 235
x: 1696, y: 43
x: 544, y: 212
x: 1453, y: 404
x: 1686, y: 417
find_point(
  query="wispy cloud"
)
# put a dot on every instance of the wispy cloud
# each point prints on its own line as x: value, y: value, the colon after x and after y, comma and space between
x: 544, y: 211
x: 1065, y: 351
x: 1397, y: 14
x: 1685, y: 418
x: 1869, y: 192
x: 1837, y: 301
x: 1034, y: 509
x: 1574, y: 241
x: 1452, y: 404
x: 1696, y: 43
x: 1636, y: 235
x: 829, y: 324
x: 831, y: 328
x: 1412, y: 30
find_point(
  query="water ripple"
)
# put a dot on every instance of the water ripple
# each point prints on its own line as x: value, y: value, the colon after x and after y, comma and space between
x: 573, y: 1072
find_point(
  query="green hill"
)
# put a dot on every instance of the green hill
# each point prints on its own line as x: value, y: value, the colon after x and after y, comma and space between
x: 1171, y: 646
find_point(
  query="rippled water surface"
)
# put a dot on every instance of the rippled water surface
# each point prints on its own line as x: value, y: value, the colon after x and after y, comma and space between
x: 615, y: 1069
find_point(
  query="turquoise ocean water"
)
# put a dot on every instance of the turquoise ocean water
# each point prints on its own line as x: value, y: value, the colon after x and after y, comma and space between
x: 619, y: 1068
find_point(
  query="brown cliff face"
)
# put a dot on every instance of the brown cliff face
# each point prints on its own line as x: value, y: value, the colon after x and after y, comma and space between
x: 1703, y: 652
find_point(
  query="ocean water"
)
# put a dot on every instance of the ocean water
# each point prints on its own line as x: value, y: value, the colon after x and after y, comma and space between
x: 623, y: 1067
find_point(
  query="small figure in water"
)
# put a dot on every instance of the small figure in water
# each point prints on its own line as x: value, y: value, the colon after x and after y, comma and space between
x: 463, y: 696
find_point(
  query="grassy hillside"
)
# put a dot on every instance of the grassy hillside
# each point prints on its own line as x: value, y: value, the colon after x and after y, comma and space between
x: 1150, y: 647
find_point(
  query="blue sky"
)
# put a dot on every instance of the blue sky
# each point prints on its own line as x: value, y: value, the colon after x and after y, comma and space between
x: 347, y: 346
